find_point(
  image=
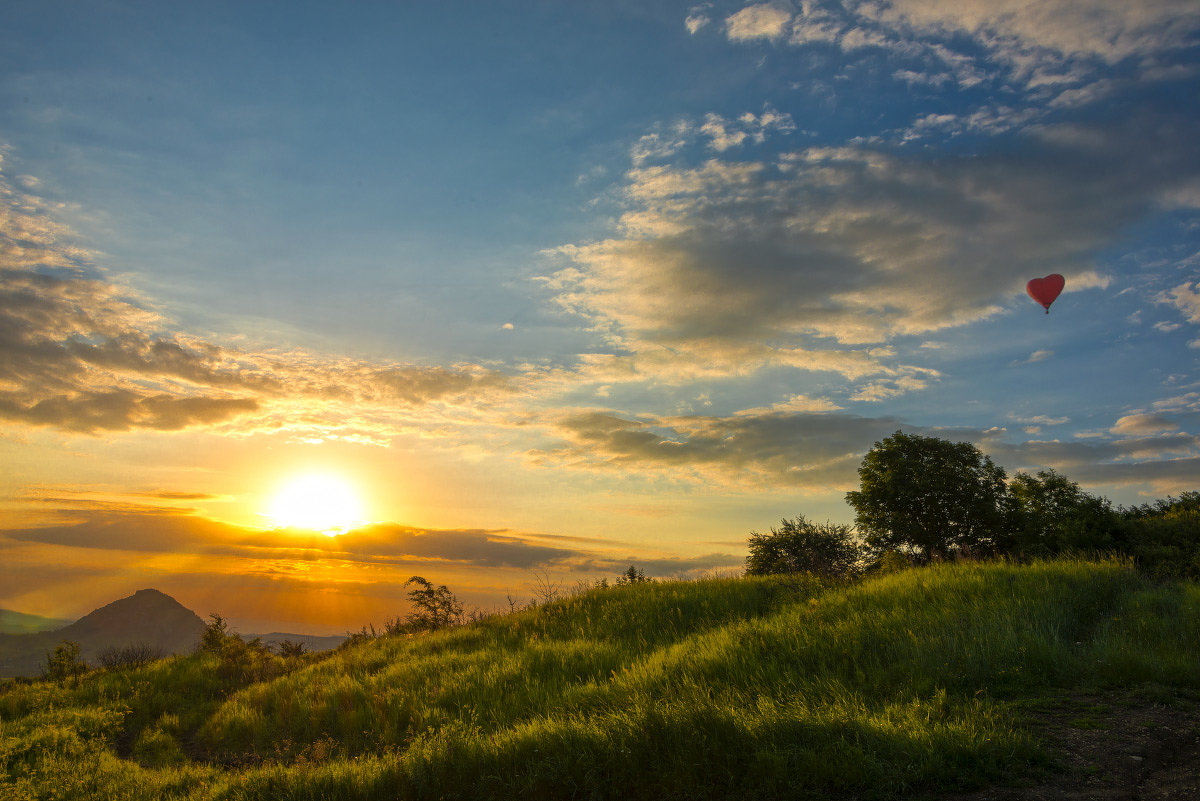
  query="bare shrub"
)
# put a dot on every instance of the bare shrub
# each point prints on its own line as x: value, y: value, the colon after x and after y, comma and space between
x: 134, y: 655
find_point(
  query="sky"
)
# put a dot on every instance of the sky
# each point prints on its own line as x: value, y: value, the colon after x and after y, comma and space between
x: 298, y: 301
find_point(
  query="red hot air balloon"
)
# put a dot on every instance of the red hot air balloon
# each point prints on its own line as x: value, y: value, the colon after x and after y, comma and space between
x: 1045, y: 290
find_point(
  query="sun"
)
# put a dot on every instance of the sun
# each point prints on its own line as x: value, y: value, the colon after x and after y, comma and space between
x: 317, y: 502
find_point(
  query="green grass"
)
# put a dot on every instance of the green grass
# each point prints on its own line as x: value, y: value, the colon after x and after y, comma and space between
x: 900, y: 685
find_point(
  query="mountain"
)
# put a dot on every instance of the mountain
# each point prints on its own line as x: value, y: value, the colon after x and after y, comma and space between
x: 20, y: 623
x: 147, y: 617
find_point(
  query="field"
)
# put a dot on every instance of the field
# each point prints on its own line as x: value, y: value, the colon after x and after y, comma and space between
x: 933, y: 681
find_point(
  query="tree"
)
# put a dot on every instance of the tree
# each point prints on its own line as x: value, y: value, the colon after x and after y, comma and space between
x: 216, y: 635
x: 289, y: 649
x: 633, y: 575
x: 64, y: 663
x: 801, y: 546
x: 1051, y: 514
x: 435, y: 607
x: 929, y: 496
x: 1164, y: 537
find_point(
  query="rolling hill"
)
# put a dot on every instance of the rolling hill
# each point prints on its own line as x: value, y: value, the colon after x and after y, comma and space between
x: 922, y: 683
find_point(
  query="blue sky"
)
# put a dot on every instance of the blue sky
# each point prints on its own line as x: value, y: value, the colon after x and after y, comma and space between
x: 632, y: 280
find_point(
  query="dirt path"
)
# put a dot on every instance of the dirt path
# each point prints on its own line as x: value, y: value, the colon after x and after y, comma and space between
x: 1113, y: 748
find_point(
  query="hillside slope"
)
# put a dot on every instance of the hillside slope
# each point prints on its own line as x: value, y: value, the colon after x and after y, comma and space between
x: 147, y: 617
x: 925, y: 681
x: 12, y: 622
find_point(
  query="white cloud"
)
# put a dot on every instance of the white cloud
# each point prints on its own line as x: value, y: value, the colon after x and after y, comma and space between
x: 697, y: 18
x: 1027, y: 33
x: 1043, y: 420
x: 1036, y: 356
x: 1186, y: 298
x: 886, y: 388
x: 661, y: 143
x: 796, y: 403
x: 1054, y: 52
x: 724, y: 133
x: 1142, y: 424
x: 762, y: 21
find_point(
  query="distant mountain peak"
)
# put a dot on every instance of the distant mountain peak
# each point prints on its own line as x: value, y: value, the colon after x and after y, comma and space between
x: 148, y: 617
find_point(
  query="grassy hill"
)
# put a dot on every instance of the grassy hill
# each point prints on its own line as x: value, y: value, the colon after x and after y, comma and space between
x: 917, y: 682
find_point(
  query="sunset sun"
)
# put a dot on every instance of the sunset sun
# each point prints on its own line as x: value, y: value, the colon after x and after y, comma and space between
x: 317, y: 502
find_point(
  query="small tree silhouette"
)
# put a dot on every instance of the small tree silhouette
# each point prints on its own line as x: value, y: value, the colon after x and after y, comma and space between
x: 632, y: 575
x: 64, y: 663
x: 434, y: 607
x: 289, y: 649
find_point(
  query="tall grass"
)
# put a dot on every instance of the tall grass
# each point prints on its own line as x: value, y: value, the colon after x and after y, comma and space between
x: 729, y: 688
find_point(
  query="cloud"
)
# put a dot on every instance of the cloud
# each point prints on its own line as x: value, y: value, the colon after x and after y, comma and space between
x: 761, y: 21
x: 738, y: 263
x: 1033, y: 358
x: 1166, y: 464
x: 796, y: 403
x: 894, y: 387
x: 1045, y: 56
x: 150, y: 529
x: 1030, y: 36
x: 84, y: 353
x: 118, y: 549
x: 1185, y: 298
x: 1043, y: 420
x: 1142, y: 424
x: 477, y: 547
x: 697, y: 17
x: 820, y: 451
x: 89, y: 412
x: 662, y: 142
x: 1045, y: 45
x: 794, y: 449
x: 724, y: 134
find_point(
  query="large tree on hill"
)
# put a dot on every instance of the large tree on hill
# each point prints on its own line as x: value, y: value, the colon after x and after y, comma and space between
x: 929, y: 496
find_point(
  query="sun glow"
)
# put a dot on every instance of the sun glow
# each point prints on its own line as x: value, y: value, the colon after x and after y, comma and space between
x: 317, y: 502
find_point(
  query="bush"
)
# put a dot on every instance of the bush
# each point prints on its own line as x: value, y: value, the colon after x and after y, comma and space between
x: 129, y: 656
x: 800, y: 546
x: 241, y: 662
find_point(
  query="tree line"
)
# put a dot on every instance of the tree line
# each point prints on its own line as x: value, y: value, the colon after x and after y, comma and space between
x: 922, y: 499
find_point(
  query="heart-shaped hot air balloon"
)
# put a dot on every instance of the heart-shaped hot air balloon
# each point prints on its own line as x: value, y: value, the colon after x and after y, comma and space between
x: 1045, y: 290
